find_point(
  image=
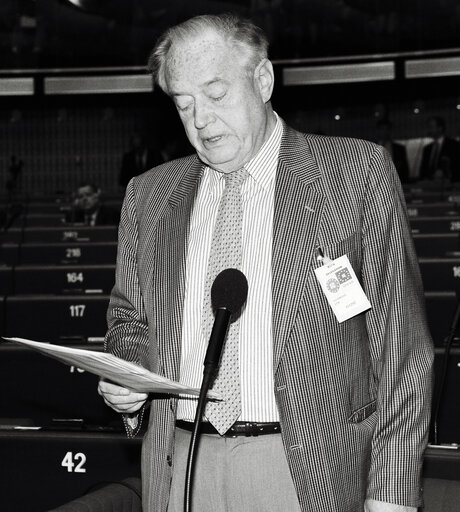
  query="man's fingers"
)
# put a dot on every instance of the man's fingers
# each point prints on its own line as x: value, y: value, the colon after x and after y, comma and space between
x: 120, y: 398
x: 124, y: 408
x: 109, y: 388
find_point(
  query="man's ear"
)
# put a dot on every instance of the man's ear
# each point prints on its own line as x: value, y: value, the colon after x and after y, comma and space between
x: 265, y: 79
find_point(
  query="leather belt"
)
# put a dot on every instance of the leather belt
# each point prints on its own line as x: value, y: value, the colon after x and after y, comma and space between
x: 240, y: 428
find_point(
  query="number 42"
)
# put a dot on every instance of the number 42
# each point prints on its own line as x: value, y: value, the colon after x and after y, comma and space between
x: 74, y: 463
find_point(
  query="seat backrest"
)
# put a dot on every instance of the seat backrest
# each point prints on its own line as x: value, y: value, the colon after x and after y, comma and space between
x: 124, y: 496
x: 441, y: 495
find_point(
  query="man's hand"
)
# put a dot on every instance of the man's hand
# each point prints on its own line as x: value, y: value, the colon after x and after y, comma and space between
x: 119, y: 398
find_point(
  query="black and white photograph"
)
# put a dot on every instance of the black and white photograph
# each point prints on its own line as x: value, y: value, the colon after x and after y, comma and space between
x: 230, y: 255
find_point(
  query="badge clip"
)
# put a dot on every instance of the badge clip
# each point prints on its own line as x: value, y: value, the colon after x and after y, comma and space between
x: 325, y: 260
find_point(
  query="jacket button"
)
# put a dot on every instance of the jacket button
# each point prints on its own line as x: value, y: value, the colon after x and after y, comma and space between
x: 169, y: 460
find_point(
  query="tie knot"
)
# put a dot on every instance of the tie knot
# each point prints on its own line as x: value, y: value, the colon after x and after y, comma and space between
x: 236, y: 178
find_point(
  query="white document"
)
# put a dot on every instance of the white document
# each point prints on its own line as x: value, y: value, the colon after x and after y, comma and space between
x: 342, y: 288
x: 124, y: 373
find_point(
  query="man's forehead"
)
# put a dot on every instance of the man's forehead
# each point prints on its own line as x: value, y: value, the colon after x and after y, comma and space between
x: 200, y: 41
x: 209, y: 47
x: 203, y: 61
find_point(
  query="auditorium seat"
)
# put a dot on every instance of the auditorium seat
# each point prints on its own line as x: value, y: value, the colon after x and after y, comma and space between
x: 13, y: 234
x: 46, y: 207
x: 124, y: 496
x: 59, y: 279
x: 9, y: 253
x: 56, y: 319
x: 42, y: 470
x: 441, y: 480
x: 2, y: 317
x: 449, y: 417
x: 57, y: 253
x: 78, y: 234
x: 436, y: 244
x: 442, y: 463
x: 439, y: 209
x: 43, y: 219
x: 44, y: 392
x: 440, y: 495
x: 61, y: 207
x: 440, y: 310
x: 6, y: 279
x: 435, y: 224
x: 422, y: 194
x: 440, y: 274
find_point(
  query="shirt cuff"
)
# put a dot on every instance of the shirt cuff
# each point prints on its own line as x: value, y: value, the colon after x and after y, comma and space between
x: 381, y: 506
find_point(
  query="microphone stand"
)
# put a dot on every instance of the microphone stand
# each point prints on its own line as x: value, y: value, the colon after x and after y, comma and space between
x: 211, y: 362
x: 445, y: 362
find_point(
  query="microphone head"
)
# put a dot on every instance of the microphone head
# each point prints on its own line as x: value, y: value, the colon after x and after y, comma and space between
x: 229, y: 290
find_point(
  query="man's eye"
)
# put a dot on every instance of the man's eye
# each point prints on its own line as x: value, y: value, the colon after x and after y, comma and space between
x: 183, y: 104
x: 219, y: 98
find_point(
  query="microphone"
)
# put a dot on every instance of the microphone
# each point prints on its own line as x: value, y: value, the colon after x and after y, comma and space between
x: 228, y: 294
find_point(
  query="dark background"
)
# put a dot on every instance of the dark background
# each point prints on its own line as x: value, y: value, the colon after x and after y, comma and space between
x: 57, y: 33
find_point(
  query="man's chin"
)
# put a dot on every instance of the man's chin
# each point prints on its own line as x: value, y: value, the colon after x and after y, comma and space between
x: 220, y: 163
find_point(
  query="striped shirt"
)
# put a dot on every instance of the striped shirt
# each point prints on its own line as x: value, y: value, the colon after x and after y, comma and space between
x: 256, y: 338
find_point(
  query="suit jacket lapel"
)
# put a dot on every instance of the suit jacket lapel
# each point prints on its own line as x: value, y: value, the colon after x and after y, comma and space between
x: 172, y: 237
x: 298, y: 209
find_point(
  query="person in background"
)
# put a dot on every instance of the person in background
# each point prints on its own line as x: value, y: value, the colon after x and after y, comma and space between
x: 88, y: 209
x: 138, y: 159
x: 320, y: 413
x: 441, y: 158
x: 397, y: 151
x: 13, y: 182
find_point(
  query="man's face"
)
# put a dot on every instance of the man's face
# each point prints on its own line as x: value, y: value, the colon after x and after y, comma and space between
x: 384, y: 132
x: 434, y: 130
x: 87, y: 198
x: 222, y: 107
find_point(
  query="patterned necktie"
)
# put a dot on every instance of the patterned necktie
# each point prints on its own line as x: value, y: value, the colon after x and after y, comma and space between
x: 226, y: 253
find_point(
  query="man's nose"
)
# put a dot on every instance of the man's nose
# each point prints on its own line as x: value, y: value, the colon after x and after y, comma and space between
x: 203, y: 115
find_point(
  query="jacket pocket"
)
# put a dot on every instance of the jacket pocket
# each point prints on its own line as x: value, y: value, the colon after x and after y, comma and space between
x: 363, y: 412
x: 346, y: 246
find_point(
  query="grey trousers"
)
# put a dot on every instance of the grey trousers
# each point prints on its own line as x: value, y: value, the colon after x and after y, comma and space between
x: 240, y: 474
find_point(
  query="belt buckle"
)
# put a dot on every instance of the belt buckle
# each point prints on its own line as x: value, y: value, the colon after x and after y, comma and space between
x: 247, y: 429
x: 251, y: 429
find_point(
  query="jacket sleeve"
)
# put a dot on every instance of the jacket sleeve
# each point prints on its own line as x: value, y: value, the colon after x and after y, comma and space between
x: 127, y: 333
x: 400, y: 343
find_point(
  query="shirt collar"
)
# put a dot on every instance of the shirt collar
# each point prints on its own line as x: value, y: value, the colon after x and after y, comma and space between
x: 262, y: 167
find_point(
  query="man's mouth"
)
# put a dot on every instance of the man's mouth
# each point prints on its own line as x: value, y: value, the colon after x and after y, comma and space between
x: 213, y: 140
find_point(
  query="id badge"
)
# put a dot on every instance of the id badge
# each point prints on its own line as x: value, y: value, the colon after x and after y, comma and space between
x: 342, y: 288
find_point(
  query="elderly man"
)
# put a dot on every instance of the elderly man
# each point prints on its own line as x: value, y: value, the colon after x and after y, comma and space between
x: 336, y: 386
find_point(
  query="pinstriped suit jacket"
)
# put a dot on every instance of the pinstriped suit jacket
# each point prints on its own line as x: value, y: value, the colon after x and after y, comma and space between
x: 354, y: 398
